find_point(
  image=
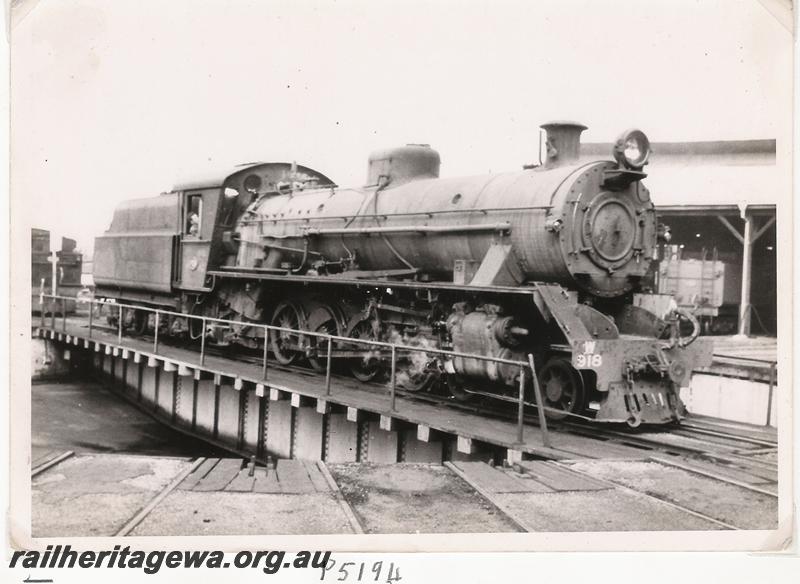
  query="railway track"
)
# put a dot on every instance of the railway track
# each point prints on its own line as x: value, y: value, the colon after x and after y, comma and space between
x: 515, y: 493
x: 691, y: 445
x: 689, y: 464
x: 696, y: 442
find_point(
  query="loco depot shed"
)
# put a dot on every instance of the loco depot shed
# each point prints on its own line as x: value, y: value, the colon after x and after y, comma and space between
x: 721, y: 197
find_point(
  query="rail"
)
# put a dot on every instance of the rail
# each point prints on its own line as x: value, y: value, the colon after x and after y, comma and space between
x: 325, y: 346
x: 760, y: 360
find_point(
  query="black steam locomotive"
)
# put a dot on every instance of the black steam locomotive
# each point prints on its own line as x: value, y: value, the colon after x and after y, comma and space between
x: 546, y: 261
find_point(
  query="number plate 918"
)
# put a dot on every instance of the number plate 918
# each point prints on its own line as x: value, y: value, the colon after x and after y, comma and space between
x: 587, y: 360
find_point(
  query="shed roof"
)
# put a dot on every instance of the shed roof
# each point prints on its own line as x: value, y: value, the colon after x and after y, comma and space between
x: 721, y: 188
x: 700, y: 148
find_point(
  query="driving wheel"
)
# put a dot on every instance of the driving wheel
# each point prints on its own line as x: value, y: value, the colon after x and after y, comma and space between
x: 287, y: 344
x: 562, y: 389
x: 325, y: 319
x: 368, y: 366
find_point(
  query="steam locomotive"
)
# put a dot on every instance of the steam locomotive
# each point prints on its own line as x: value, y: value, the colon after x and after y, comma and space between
x: 547, y: 261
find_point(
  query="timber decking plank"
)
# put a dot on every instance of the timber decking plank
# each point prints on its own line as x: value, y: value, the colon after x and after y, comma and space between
x: 200, y: 472
x: 219, y: 477
x: 266, y: 481
x: 242, y: 482
x: 293, y: 477
x: 316, y: 476
x: 493, y: 480
x: 560, y: 479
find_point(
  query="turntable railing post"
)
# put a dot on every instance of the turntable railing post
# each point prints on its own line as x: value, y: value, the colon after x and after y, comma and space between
x: 119, y: 326
x: 41, y: 304
x: 539, y: 403
x: 328, y: 368
x: 155, y: 336
x: 393, y: 386
x: 265, y: 356
x: 203, y: 342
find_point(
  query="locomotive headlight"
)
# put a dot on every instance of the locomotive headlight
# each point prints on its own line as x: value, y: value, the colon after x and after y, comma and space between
x: 632, y: 149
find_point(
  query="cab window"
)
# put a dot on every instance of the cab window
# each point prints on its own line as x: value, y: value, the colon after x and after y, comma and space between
x: 194, y: 215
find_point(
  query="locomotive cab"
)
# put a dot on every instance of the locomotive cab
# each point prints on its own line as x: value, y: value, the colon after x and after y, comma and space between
x: 212, y: 207
x: 200, y: 209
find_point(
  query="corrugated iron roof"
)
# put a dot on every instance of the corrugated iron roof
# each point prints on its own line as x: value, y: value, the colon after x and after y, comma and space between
x: 709, y: 175
x: 708, y: 185
x: 701, y: 148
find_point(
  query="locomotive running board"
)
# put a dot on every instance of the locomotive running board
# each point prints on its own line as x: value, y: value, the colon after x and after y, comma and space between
x: 343, y: 281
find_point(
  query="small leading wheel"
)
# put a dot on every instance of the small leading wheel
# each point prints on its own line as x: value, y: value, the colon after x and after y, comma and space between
x: 285, y: 344
x: 562, y: 389
x: 367, y: 367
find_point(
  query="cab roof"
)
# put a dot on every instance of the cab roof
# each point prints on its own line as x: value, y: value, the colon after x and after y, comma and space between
x: 214, y: 178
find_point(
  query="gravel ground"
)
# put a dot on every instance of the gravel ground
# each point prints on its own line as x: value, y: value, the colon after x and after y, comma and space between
x: 96, y: 495
x: 416, y: 498
x: 733, y: 505
x: 226, y: 513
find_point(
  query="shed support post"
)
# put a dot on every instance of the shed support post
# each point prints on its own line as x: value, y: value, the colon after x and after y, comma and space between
x: 750, y: 236
x: 747, y: 269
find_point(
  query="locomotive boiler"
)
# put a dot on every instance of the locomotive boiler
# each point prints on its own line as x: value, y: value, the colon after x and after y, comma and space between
x: 546, y: 261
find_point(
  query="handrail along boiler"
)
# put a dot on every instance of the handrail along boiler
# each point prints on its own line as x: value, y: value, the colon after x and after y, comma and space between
x: 547, y: 261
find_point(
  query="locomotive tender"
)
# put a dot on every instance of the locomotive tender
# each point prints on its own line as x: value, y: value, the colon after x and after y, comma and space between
x: 546, y: 261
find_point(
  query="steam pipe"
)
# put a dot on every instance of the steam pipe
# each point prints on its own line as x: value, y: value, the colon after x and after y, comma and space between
x: 409, y: 229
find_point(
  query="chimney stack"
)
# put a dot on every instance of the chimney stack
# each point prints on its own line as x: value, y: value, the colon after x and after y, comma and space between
x: 563, y: 143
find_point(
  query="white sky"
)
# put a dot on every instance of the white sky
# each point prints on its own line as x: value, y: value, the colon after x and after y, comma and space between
x: 115, y: 99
